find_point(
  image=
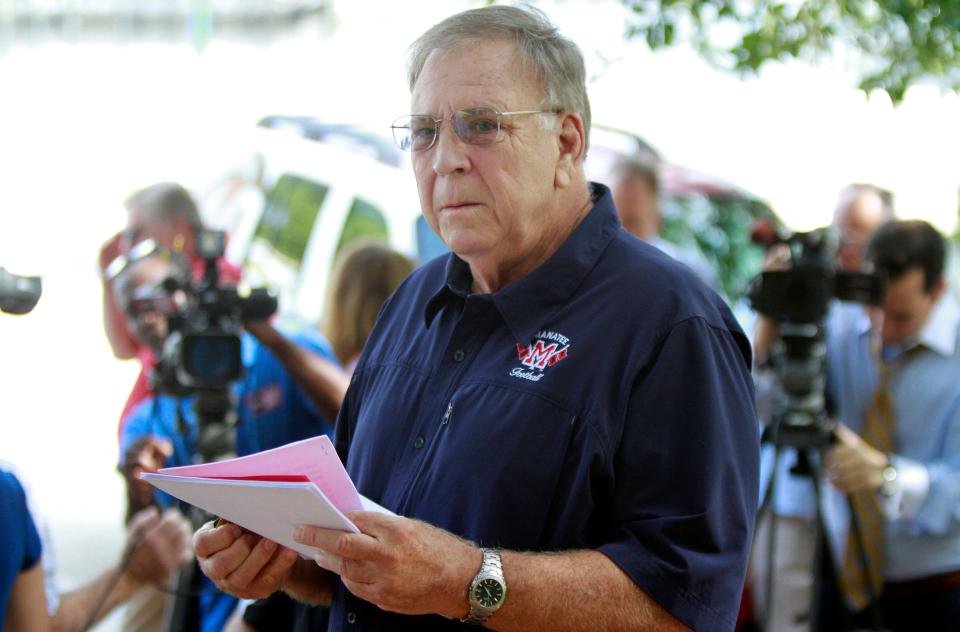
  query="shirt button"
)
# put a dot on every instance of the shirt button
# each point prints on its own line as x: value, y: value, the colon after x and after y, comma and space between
x: 418, y: 442
x: 459, y: 355
x: 351, y: 618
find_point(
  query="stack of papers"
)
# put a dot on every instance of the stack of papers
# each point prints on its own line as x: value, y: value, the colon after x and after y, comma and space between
x: 271, y: 492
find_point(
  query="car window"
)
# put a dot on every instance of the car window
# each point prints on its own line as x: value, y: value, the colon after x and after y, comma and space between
x: 280, y: 240
x: 364, y: 219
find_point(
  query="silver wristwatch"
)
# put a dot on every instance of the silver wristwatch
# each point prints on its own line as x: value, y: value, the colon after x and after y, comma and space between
x: 487, y: 590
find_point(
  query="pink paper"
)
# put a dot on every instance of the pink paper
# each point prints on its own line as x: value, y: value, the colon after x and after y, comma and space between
x: 314, y: 458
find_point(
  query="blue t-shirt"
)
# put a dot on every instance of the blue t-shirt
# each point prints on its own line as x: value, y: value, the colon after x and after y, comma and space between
x: 20, y: 548
x: 604, y: 401
x: 272, y: 410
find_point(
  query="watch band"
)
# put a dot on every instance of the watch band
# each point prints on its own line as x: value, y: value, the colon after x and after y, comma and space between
x: 889, y: 485
x: 490, y: 569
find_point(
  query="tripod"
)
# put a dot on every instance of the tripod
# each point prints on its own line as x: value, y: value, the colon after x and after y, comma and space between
x: 216, y: 440
x: 810, y: 436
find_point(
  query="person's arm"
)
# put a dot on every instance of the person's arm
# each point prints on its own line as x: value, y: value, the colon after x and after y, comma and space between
x: 156, y: 547
x: 428, y: 571
x: 322, y: 380
x: 410, y: 567
x: 768, y: 329
x: 122, y: 342
x: 27, y: 606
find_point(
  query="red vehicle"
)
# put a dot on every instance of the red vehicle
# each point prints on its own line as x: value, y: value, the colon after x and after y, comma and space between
x: 699, y: 210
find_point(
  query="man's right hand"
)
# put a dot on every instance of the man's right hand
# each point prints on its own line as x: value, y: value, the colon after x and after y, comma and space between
x: 110, y: 250
x: 767, y: 329
x: 242, y: 563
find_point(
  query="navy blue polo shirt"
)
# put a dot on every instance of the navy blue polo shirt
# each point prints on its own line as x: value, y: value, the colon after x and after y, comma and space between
x: 604, y: 401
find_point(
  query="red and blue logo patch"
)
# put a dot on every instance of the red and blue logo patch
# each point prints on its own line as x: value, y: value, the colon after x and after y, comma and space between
x: 547, y: 348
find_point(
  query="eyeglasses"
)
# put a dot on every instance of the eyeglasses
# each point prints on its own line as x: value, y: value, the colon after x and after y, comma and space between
x: 474, y: 126
x: 139, y: 251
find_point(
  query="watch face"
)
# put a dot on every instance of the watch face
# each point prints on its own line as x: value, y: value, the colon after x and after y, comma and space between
x: 488, y: 592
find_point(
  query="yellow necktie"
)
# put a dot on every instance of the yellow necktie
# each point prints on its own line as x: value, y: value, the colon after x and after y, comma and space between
x: 878, y: 431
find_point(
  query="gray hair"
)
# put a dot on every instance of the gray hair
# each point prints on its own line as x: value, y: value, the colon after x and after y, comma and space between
x: 861, y: 189
x: 165, y: 201
x: 555, y: 59
x: 642, y: 168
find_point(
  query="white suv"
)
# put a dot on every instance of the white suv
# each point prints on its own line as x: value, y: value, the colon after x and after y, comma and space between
x: 297, y: 202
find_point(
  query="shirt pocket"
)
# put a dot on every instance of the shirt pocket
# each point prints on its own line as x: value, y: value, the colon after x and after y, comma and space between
x: 492, y: 467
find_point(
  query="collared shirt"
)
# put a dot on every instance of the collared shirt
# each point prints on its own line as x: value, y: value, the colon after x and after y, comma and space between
x: 601, y: 402
x: 924, y: 538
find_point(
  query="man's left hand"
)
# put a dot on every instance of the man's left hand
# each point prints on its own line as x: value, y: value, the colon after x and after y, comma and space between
x: 853, y: 465
x: 398, y: 564
x: 160, y: 544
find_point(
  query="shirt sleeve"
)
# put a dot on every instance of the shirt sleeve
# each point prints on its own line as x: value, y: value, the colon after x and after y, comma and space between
x: 17, y: 518
x: 912, y: 486
x: 939, y: 508
x: 687, y: 476
x: 139, y: 422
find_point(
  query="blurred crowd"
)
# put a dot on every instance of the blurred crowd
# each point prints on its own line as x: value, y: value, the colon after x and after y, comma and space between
x: 854, y: 333
x: 294, y: 376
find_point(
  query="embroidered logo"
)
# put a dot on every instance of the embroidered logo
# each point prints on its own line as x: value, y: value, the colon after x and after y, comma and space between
x: 547, y: 348
x: 265, y: 400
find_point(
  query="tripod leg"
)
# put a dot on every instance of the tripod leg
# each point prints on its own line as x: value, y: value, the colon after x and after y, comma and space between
x: 766, y: 536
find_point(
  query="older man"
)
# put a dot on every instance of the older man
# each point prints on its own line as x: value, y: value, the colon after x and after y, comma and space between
x: 562, y: 414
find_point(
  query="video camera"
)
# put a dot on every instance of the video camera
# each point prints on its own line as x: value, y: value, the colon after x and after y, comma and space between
x: 18, y: 294
x: 802, y: 294
x: 201, y: 355
x: 799, y: 299
x: 202, y: 351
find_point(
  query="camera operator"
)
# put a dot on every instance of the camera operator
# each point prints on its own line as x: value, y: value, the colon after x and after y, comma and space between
x: 894, y: 380
x: 162, y: 430
x: 166, y: 214
x: 861, y: 209
x: 891, y: 514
